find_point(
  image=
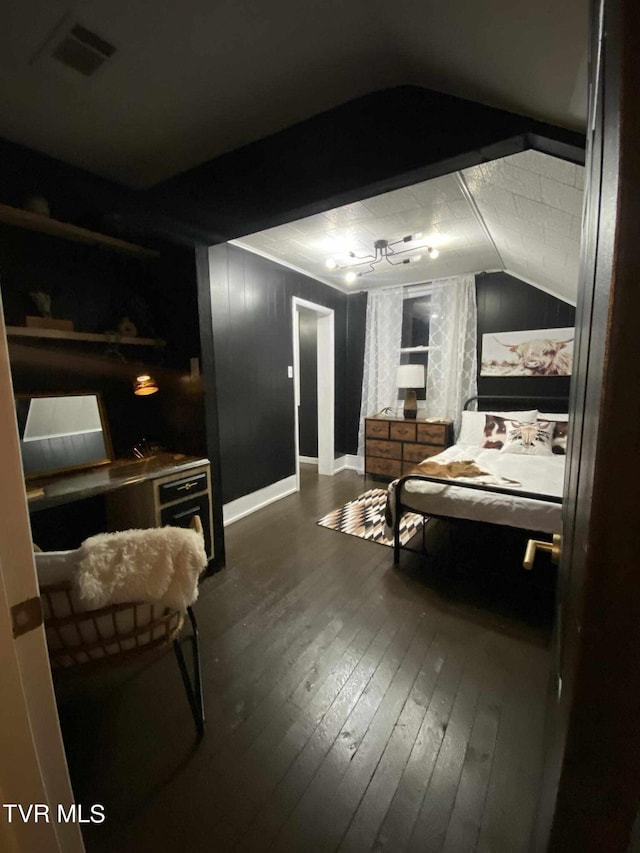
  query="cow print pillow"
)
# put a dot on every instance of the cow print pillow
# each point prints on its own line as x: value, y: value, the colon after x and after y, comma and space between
x: 495, y: 432
x: 529, y: 439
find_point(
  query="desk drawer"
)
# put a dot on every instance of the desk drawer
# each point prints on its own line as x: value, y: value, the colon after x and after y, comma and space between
x: 180, y: 515
x: 182, y: 488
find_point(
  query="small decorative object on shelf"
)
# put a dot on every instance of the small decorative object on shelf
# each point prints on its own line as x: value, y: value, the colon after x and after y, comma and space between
x: 37, y: 204
x: 42, y: 301
x: 127, y: 328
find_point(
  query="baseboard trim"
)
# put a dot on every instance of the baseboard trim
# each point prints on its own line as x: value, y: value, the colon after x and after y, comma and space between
x: 309, y: 460
x: 349, y: 462
x: 241, y: 507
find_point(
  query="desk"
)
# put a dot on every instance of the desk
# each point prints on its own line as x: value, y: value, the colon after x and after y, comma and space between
x: 164, y: 489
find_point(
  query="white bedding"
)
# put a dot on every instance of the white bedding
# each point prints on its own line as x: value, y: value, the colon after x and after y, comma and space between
x: 543, y: 475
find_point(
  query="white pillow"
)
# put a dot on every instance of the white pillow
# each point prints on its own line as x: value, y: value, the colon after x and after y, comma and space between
x: 472, y: 427
x: 529, y: 439
x: 560, y: 417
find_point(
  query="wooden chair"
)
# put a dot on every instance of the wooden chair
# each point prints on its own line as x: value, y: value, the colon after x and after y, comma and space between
x: 84, y: 640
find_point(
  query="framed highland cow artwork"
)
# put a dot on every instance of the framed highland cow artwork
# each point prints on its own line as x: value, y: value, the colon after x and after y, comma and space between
x: 537, y: 352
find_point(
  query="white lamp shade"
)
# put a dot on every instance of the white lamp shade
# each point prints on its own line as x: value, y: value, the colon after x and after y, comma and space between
x: 410, y: 376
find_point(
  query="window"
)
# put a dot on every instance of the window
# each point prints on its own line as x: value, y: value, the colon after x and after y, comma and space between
x: 416, y: 314
x: 415, y: 322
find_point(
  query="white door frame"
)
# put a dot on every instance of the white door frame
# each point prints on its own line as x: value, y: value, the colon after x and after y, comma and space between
x: 326, y: 384
x: 33, y: 766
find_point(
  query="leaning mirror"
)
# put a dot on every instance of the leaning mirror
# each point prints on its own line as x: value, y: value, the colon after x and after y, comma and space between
x: 62, y: 433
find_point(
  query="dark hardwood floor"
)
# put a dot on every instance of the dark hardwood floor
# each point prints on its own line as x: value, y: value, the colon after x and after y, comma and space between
x: 351, y: 705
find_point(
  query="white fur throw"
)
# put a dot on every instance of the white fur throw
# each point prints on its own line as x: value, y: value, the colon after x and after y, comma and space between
x: 159, y: 565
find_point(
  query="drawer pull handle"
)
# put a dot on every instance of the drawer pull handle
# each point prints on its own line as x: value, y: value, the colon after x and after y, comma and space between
x: 193, y: 510
x: 186, y: 487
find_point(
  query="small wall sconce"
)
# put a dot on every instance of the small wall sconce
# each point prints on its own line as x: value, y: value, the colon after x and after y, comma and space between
x: 410, y: 376
x: 144, y: 385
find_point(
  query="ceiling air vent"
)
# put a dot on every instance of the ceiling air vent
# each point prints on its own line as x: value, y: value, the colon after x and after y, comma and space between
x: 74, y: 49
x: 83, y: 50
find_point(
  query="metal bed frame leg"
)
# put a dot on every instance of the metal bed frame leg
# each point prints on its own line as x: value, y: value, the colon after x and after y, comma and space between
x: 396, y: 529
x: 193, y: 690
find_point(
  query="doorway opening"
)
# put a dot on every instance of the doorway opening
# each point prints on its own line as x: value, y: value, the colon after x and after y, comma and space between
x: 314, y: 401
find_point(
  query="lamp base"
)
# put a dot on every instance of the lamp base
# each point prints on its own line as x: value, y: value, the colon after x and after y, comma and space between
x: 410, y: 405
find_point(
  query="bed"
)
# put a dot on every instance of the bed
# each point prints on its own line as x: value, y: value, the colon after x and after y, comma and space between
x: 478, y: 479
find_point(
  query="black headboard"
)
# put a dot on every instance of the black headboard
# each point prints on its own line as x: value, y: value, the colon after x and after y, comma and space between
x: 497, y: 403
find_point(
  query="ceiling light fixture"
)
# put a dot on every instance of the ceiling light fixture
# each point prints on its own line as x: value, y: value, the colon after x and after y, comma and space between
x: 383, y: 250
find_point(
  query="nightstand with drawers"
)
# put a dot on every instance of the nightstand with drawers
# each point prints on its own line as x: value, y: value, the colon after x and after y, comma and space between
x: 393, y: 446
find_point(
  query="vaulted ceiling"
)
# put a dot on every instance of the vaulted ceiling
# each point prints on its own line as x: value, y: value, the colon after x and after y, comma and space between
x: 191, y: 79
x: 521, y: 214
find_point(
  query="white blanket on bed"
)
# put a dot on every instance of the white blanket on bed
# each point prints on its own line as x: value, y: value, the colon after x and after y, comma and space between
x: 543, y: 475
x: 159, y: 565
x: 540, y: 474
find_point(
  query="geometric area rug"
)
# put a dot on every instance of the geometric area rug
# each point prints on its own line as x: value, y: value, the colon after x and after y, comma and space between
x: 364, y: 517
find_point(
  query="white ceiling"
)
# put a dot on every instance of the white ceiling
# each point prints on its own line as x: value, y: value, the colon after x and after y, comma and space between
x: 191, y: 79
x: 521, y: 214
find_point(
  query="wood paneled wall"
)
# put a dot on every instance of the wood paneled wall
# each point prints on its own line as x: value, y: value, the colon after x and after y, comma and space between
x: 251, y: 304
x: 372, y: 144
x: 94, y: 289
x: 507, y: 304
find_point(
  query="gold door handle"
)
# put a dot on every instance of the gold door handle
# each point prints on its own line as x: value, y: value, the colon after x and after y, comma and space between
x: 533, y: 545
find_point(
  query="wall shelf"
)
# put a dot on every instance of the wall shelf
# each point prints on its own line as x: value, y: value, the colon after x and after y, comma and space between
x: 91, y: 337
x: 45, y: 225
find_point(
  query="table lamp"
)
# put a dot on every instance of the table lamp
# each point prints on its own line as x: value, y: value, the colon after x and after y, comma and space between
x: 410, y: 376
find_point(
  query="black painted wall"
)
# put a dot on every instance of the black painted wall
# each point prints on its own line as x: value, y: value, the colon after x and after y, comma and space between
x: 507, y: 304
x: 356, y: 328
x: 326, y: 161
x: 366, y: 146
x: 308, y: 411
x: 95, y: 288
x: 253, y: 347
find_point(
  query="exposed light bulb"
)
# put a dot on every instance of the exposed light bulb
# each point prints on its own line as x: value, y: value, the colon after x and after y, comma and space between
x: 417, y: 235
x: 350, y: 277
x: 416, y: 258
x: 433, y: 253
x: 331, y: 263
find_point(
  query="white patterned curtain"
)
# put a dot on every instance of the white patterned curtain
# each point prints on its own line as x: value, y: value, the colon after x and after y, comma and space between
x: 452, y: 369
x: 381, y: 357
